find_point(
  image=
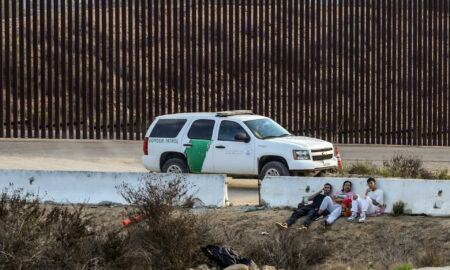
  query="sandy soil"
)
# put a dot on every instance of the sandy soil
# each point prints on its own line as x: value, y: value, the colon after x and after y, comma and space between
x: 382, y: 241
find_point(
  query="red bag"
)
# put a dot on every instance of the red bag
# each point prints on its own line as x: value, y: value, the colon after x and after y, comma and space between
x: 346, y: 207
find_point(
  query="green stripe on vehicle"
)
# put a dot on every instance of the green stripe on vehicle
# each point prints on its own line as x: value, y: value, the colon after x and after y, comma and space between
x: 196, y: 154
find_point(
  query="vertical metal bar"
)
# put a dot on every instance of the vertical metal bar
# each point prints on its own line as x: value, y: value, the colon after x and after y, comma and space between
x: 405, y: 75
x: 192, y: 70
x: 345, y: 78
x: 8, y: 69
x: 130, y: 74
x: 429, y: 72
x: 64, y: 84
x: 145, y: 60
x: 77, y: 71
x: 219, y: 51
x: 1, y: 70
x: 278, y: 75
x: 368, y: 70
x: 208, y: 22
x: 124, y: 70
x: 22, y: 70
x: 334, y: 89
x: 272, y: 59
x: 319, y: 72
x: 296, y: 62
x: 324, y: 71
x: 290, y: 99
x: 176, y: 57
x: 164, y: 60
x: 389, y: 64
x: 98, y: 109
x: 117, y: 70
x: 313, y: 67
x: 151, y: 60
x: 420, y: 70
x: 303, y: 68
x: 56, y: 67
x: 35, y: 74
x: 415, y: 57
x: 242, y: 59
x: 137, y: 80
x: 105, y: 96
x: 83, y: 96
x: 351, y: 75
x: 259, y: 25
x: 70, y: 66
x: 412, y: 110
x: 249, y: 70
x: 375, y: 84
x: 49, y: 71
x: 398, y: 68
x: 356, y: 71
x: 14, y: 67
x: 170, y: 67
x: 229, y: 86
x: 329, y: 68
x: 393, y: 81
x: 90, y: 97
x: 267, y: 46
x: 446, y: 75
x: 440, y: 89
x: 257, y: 89
x: 380, y: 87
x: 188, y: 63
x: 340, y: 64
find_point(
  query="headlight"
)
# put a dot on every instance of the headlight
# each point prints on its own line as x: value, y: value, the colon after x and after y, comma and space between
x: 301, y: 155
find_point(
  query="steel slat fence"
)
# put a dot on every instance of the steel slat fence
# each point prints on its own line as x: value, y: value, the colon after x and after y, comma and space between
x: 347, y: 71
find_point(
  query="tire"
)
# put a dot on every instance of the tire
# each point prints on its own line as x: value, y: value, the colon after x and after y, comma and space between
x: 175, y: 165
x: 273, y: 168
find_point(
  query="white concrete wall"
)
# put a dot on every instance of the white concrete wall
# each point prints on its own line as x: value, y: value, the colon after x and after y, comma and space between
x: 431, y: 197
x: 95, y: 187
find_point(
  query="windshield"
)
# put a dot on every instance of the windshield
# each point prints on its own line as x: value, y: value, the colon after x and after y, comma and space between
x: 266, y: 128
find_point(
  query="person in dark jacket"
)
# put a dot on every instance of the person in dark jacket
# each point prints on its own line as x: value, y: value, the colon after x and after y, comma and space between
x: 309, y: 210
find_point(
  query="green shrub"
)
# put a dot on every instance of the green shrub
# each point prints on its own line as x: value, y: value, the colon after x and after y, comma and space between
x: 443, y: 175
x: 398, y: 208
x: 405, y: 266
x: 407, y: 165
x: 361, y: 168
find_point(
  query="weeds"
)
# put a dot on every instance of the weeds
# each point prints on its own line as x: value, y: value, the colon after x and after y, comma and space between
x: 401, y: 164
x: 430, y: 258
x: 398, y: 208
x: 288, y: 250
x: 169, y: 237
x: 405, y: 266
x: 34, y: 237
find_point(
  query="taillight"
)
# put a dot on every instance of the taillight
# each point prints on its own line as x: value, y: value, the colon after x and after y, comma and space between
x: 145, y: 148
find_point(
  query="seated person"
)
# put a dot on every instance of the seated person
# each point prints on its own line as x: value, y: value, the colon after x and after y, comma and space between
x: 369, y: 204
x: 333, y: 204
x: 310, y: 210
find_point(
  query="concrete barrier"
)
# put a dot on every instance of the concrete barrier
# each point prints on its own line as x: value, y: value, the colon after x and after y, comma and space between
x: 430, y: 197
x: 95, y: 187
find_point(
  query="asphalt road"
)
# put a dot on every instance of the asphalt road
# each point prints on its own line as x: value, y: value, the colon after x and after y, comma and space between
x: 124, y: 156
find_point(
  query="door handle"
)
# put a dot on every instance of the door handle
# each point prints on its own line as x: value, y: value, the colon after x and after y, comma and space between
x: 220, y: 147
x: 187, y: 144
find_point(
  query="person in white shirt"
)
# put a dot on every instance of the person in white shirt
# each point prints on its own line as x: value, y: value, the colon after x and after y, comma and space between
x: 368, y: 204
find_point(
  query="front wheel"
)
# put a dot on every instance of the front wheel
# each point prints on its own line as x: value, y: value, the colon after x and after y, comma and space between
x: 174, y: 165
x: 274, y: 168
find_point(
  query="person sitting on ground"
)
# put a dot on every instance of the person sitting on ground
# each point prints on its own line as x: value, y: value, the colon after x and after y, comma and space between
x: 310, y: 210
x: 333, y: 204
x: 369, y: 204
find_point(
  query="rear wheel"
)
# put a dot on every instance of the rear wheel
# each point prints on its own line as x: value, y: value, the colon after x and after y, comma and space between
x: 175, y: 165
x: 274, y: 168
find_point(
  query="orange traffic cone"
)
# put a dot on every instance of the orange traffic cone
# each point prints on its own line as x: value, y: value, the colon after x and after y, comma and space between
x: 338, y: 156
x: 127, y: 222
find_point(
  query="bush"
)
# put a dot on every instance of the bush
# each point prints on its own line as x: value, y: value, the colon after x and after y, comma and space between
x: 430, y: 258
x: 443, y: 175
x: 288, y: 250
x: 169, y: 237
x: 35, y: 237
x: 398, y: 208
x: 406, y: 165
x: 361, y: 168
x: 406, y: 266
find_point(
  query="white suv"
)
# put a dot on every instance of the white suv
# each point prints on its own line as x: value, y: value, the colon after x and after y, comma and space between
x: 234, y: 143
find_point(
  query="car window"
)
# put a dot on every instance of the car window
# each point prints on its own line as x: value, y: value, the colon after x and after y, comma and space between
x: 167, y: 128
x: 266, y: 128
x: 228, y: 130
x: 201, y: 129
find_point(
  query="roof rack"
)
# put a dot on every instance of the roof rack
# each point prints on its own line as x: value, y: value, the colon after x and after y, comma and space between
x: 230, y: 113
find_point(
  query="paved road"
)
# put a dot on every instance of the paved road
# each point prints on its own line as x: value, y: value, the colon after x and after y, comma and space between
x: 124, y: 156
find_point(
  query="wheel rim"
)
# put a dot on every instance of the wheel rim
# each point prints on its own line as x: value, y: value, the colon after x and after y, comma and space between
x: 272, y: 172
x: 174, y: 169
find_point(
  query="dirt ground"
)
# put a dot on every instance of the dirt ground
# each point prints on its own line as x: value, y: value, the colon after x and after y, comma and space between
x: 380, y: 243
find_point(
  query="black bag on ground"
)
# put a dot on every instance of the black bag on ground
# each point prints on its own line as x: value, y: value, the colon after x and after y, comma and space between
x: 225, y: 256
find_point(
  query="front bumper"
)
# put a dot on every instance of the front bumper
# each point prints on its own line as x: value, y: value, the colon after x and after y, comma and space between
x: 311, y: 165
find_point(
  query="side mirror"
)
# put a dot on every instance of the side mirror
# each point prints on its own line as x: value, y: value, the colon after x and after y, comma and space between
x: 242, y: 137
